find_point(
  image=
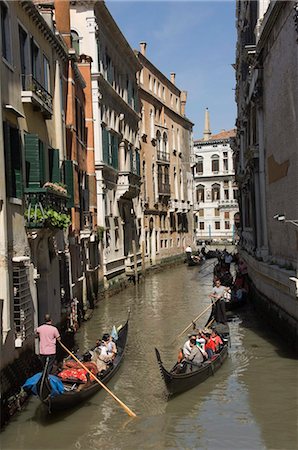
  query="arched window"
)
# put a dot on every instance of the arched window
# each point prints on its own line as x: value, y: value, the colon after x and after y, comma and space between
x: 215, y: 192
x: 75, y: 41
x: 199, y: 165
x: 215, y: 163
x: 200, y: 193
x: 165, y: 143
x: 158, y: 139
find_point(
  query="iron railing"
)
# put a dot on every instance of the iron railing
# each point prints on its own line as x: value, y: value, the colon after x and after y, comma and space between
x: 29, y: 83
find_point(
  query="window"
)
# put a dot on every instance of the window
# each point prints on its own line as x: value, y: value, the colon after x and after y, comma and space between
x: 75, y: 41
x: 13, y: 161
x: 163, y: 93
x: 215, y: 163
x: 225, y: 162
x: 158, y: 139
x: 235, y: 194
x: 154, y: 86
x: 22, y: 302
x: 201, y: 213
x: 217, y: 225
x: 5, y: 33
x: 158, y: 89
x: 46, y: 74
x: 227, y: 224
x: 200, y: 193
x: 199, y: 165
x: 165, y: 143
x: 216, y: 212
x: 35, y: 61
x: 215, y: 192
x: 226, y: 194
x: 150, y: 82
x: 227, y: 215
x: 202, y: 225
x: 116, y: 231
x: 24, y: 55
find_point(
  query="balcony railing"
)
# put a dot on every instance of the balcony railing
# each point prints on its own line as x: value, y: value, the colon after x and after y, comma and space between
x: 46, y: 209
x: 163, y: 156
x: 34, y: 92
x: 228, y: 203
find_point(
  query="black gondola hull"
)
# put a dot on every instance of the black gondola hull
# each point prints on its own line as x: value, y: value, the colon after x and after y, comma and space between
x: 178, y: 383
x: 71, y: 399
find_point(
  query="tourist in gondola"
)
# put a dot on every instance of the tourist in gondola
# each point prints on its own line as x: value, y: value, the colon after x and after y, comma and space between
x: 216, y: 339
x: 187, y: 347
x: 196, y: 355
x: 210, y: 347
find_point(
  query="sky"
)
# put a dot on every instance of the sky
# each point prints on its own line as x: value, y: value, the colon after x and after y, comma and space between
x: 194, y: 39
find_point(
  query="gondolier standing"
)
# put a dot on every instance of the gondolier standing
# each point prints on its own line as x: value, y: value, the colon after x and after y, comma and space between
x: 48, y: 335
x: 219, y: 309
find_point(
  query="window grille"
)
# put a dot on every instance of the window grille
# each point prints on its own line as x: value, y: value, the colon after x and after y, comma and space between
x: 22, y: 304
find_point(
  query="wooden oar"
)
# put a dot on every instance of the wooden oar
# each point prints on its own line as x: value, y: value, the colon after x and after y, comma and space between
x: 200, y: 315
x: 126, y: 408
x: 210, y: 323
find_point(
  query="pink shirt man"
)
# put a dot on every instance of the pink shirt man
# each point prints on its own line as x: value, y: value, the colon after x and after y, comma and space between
x: 47, y: 339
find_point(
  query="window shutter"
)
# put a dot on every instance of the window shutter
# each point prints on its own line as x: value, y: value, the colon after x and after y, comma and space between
x: 33, y: 163
x: 105, y: 145
x: 115, y: 152
x: 7, y: 152
x: 13, y: 161
x: 54, y: 171
x: 68, y: 178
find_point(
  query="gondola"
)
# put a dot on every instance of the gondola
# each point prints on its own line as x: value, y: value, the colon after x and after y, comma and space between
x: 76, y: 393
x: 176, y: 383
x: 191, y: 261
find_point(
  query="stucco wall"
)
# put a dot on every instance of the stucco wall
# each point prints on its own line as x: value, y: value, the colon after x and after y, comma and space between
x: 281, y: 134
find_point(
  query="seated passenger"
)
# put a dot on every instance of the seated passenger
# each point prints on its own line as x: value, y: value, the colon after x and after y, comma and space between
x: 186, y: 347
x: 111, y: 346
x: 216, y: 339
x: 195, y: 356
x: 209, y: 346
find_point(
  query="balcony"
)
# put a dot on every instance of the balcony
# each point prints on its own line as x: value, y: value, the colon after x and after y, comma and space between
x: 163, y: 157
x: 46, y: 208
x: 222, y: 204
x: 33, y: 92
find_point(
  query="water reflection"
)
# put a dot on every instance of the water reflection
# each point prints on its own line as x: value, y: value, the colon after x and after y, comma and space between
x: 250, y: 403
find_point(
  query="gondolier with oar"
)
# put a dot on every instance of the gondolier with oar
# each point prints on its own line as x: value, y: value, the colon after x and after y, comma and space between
x: 48, y: 336
x: 217, y: 294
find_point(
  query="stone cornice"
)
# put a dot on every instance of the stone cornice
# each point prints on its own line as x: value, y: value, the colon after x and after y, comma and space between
x: 41, y: 24
x: 156, y: 101
x: 146, y: 63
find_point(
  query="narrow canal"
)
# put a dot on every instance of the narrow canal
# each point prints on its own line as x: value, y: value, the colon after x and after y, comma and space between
x: 251, y: 403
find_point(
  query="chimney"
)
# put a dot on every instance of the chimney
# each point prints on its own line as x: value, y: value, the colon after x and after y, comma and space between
x: 143, y: 46
x: 207, y: 132
x: 173, y: 75
x: 183, y: 98
x: 45, y: 8
x: 62, y: 19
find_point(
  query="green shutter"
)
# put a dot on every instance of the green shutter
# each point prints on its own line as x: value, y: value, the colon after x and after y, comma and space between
x: 32, y: 158
x: 42, y: 163
x: 16, y: 162
x: 54, y: 171
x: 105, y: 146
x: 68, y: 178
x: 13, y: 161
x: 115, y: 153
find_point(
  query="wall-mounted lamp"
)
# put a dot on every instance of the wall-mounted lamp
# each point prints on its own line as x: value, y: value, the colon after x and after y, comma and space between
x: 282, y: 218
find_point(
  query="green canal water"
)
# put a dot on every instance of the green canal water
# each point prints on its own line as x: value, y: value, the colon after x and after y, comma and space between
x: 251, y: 403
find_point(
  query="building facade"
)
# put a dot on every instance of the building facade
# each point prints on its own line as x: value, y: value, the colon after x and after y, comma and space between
x: 215, y: 191
x: 34, y: 61
x: 166, y: 146
x: 116, y: 139
x: 266, y: 151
